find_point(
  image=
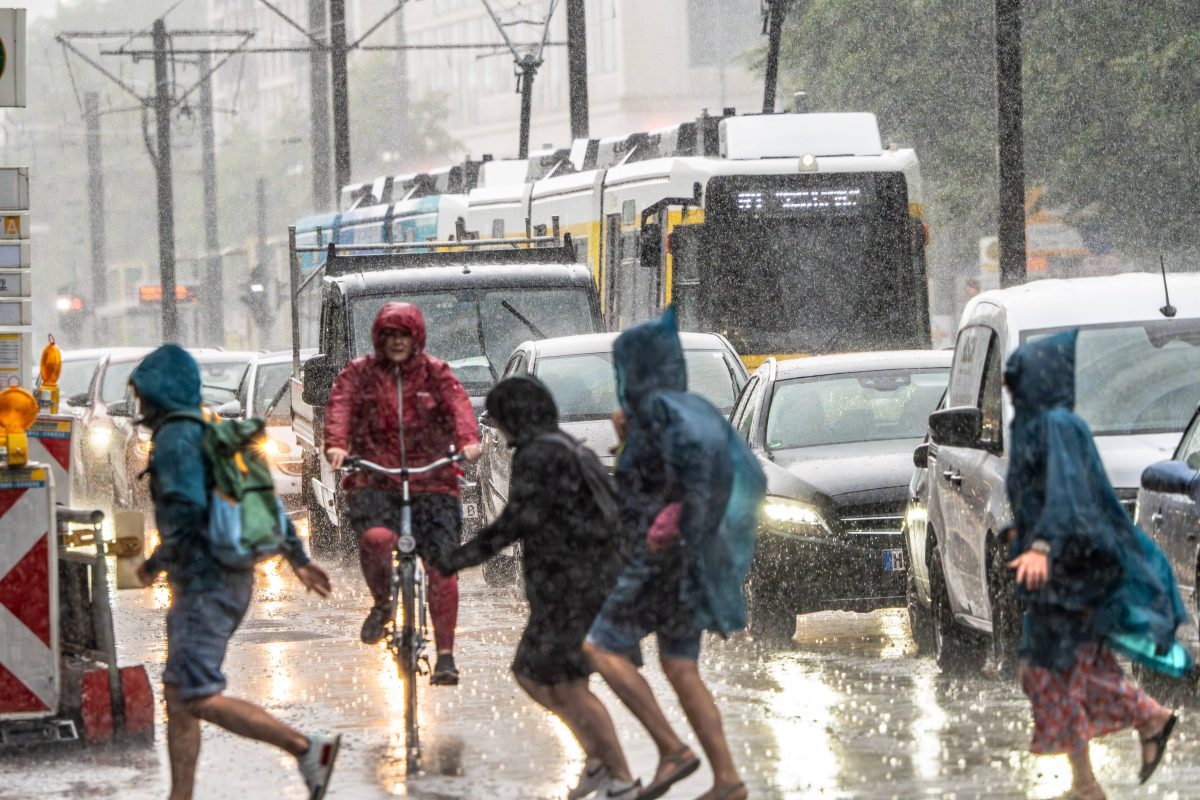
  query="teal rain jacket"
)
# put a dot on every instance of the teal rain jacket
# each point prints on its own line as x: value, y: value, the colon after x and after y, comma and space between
x: 1108, y: 579
x: 703, y: 463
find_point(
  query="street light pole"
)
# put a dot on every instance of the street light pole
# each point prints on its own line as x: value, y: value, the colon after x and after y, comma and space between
x: 96, y: 211
x: 577, y: 86
x: 318, y: 97
x: 341, y: 95
x: 213, y: 293
x: 1011, y: 151
x: 776, y: 10
x: 529, y: 67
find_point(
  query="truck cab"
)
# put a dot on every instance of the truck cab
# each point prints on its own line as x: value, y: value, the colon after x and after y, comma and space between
x: 479, y: 304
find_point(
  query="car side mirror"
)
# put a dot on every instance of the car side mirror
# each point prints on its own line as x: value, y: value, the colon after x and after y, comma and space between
x: 1172, y: 477
x: 921, y: 456
x: 230, y: 410
x: 79, y: 400
x: 956, y: 427
x: 319, y: 376
x: 121, y: 408
x: 650, y: 244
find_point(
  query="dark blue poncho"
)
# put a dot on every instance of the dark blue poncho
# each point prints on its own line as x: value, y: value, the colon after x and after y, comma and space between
x: 679, y: 447
x: 1108, y: 579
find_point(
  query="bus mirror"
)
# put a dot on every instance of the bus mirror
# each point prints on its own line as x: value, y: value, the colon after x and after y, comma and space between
x: 319, y: 376
x: 650, y: 244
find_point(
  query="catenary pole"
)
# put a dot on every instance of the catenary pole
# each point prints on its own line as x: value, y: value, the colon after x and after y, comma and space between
x: 529, y: 67
x: 166, y: 193
x: 1011, y: 148
x: 776, y: 10
x: 341, y: 94
x: 91, y: 115
x: 577, y: 85
x: 318, y: 93
x: 214, y: 280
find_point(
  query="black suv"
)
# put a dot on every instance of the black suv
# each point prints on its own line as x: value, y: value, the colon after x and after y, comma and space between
x: 479, y: 304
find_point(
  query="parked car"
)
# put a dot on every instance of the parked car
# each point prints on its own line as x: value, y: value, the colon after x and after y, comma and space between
x: 265, y: 393
x: 107, y: 372
x: 221, y: 373
x: 1168, y: 510
x: 1137, y: 382
x: 835, y: 436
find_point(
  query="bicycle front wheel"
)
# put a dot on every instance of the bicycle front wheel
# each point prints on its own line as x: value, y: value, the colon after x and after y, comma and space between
x: 408, y: 656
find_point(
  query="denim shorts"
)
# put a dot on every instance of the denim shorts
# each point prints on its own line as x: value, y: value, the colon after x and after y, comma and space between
x: 647, y: 600
x: 199, y: 625
x: 625, y: 639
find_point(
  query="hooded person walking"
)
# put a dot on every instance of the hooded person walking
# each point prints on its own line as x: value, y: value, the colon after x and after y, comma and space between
x: 691, y: 492
x: 1092, y: 582
x: 562, y: 508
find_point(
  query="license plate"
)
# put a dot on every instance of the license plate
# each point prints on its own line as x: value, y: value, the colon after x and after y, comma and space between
x: 893, y: 560
x: 470, y: 511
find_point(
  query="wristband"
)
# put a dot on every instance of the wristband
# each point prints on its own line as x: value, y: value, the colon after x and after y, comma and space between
x: 1040, y: 546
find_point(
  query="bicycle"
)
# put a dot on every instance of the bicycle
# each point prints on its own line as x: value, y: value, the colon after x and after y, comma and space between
x: 408, y: 643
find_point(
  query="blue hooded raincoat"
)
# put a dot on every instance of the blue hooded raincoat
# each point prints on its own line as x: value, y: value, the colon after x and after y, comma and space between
x: 1108, y: 580
x: 680, y: 448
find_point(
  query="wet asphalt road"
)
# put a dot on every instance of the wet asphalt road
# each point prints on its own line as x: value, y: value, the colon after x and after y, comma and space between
x: 844, y: 712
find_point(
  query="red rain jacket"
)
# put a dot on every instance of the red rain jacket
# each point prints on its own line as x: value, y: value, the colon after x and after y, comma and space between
x: 362, y: 412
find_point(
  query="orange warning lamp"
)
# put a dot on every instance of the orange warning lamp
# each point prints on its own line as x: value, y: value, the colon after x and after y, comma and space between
x: 51, y: 368
x: 18, y: 412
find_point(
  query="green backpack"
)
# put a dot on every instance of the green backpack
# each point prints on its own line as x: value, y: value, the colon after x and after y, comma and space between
x: 246, y: 521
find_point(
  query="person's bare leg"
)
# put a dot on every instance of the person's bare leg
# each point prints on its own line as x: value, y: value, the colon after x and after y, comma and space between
x: 587, y: 718
x: 183, y: 745
x: 248, y: 720
x: 705, y: 718
x: 628, y: 684
x: 1083, y: 779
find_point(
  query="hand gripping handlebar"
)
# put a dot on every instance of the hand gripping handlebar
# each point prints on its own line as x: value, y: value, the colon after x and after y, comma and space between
x: 354, y: 462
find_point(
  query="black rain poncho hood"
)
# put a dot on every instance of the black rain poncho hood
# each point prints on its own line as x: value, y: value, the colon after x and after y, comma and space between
x: 522, y: 405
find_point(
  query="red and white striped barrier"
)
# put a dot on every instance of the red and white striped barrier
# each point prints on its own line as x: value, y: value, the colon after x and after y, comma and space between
x: 50, y: 442
x: 29, y: 648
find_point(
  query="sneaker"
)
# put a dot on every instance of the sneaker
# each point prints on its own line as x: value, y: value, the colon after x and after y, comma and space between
x: 444, y: 672
x: 620, y: 790
x: 594, y: 776
x: 375, y: 626
x: 316, y: 765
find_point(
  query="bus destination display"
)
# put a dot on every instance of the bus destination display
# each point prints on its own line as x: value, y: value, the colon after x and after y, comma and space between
x: 801, y: 202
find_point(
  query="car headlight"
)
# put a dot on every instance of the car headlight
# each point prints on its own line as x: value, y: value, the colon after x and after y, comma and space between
x: 144, y: 446
x: 273, y: 448
x: 100, y: 436
x: 794, y: 517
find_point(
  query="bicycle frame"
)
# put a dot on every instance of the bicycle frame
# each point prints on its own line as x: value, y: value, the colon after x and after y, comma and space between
x: 407, y: 644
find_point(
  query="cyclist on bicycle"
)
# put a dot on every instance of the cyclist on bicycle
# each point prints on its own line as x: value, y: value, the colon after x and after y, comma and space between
x: 402, y: 406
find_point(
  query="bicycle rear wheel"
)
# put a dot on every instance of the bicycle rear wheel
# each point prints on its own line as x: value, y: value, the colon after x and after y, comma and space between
x: 408, y: 659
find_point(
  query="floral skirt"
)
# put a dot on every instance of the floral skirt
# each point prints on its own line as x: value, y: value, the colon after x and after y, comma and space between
x: 1090, y: 699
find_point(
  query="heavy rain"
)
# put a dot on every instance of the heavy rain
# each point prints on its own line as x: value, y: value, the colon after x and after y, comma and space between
x: 599, y: 399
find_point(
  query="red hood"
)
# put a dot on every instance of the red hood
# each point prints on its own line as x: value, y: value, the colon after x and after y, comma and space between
x: 398, y: 316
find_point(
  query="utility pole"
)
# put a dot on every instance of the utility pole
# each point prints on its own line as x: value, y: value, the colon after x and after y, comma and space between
x: 577, y: 86
x: 402, y: 139
x: 1011, y: 148
x: 318, y: 95
x: 528, y: 70
x: 91, y: 115
x: 214, y: 280
x: 341, y: 94
x: 774, y: 13
x: 166, y: 193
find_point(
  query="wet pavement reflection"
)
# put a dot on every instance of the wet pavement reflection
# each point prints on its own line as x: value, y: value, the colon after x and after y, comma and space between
x: 845, y: 711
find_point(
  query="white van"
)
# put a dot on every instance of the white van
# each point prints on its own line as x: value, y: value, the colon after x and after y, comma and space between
x: 1137, y: 383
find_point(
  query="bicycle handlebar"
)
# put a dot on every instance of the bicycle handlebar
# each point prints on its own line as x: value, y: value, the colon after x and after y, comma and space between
x: 354, y: 462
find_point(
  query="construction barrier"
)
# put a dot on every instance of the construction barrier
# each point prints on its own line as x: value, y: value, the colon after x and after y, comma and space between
x: 29, y: 632
x: 51, y: 440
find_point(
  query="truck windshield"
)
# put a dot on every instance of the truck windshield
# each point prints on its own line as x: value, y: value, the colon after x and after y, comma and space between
x: 476, y: 331
x: 1136, y: 377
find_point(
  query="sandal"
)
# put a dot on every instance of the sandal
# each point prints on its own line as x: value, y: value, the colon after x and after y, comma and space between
x: 685, y: 763
x: 725, y: 792
x: 1159, y: 740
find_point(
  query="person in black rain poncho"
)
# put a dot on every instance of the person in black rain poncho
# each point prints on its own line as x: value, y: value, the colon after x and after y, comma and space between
x: 562, y: 508
x: 1091, y: 581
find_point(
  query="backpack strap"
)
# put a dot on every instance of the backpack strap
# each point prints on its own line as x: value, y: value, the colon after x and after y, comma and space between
x: 171, y: 416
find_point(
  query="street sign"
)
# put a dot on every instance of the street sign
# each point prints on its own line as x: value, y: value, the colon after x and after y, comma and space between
x: 13, y: 359
x: 14, y: 226
x: 14, y: 254
x: 12, y: 57
x: 14, y: 189
x: 16, y: 311
x: 14, y: 284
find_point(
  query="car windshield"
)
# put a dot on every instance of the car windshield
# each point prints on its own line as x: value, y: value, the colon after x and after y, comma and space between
x: 269, y: 379
x: 76, y: 376
x: 584, y: 385
x: 476, y: 331
x: 854, y: 407
x: 219, y: 380
x: 116, y: 379
x: 1137, y: 377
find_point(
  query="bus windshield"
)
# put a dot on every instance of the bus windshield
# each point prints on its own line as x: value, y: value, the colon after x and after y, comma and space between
x: 476, y: 331
x: 808, y: 263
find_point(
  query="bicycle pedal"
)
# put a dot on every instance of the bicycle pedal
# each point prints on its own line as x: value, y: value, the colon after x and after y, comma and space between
x: 426, y: 669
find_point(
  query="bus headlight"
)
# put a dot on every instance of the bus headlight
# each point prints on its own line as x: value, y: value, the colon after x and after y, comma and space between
x: 788, y: 516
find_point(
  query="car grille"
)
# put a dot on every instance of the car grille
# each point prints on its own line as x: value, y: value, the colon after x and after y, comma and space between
x: 875, y: 519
